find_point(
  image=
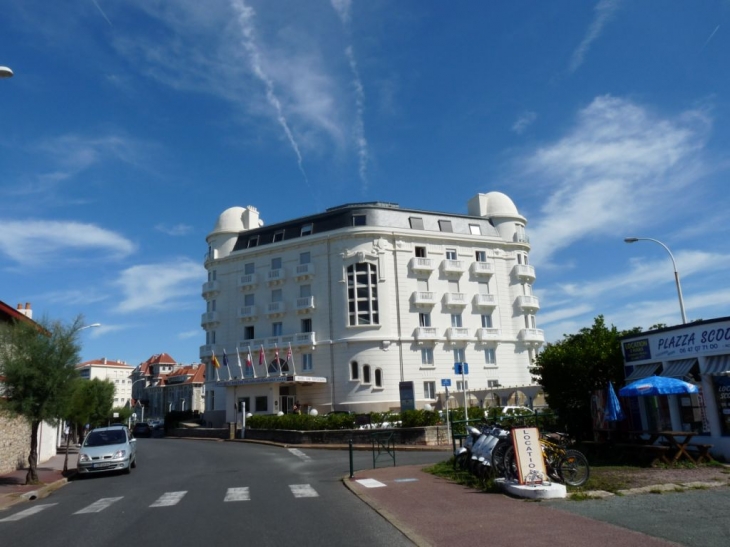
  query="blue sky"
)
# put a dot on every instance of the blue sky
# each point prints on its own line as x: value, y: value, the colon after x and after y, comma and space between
x: 130, y: 126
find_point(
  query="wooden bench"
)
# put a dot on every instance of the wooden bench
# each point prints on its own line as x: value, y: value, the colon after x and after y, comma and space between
x: 701, y: 452
x: 657, y: 452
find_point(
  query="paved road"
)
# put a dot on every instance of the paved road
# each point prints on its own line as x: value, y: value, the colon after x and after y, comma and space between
x: 192, y: 493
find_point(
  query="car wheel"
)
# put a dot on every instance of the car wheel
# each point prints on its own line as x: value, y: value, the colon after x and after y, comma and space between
x: 134, y: 462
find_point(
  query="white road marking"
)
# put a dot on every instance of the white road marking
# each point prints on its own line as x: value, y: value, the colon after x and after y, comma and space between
x: 27, y: 512
x: 237, y: 494
x: 298, y: 453
x: 98, y: 506
x: 370, y: 483
x: 303, y: 491
x: 169, y: 498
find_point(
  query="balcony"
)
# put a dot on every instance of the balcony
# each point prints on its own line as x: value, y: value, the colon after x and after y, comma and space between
x: 453, y: 267
x: 304, y: 271
x: 419, y: 298
x: 525, y: 272
x: 207, y: 350
x: 422, y: 265
x: 209, y: 318
x: 455, y: 300
x: 247, y: 282
x: 457, y: 334
x: 485, y: 301
x: 299, y: 340
x: 489, y: 335
x: 211, y: 288
x: 304, y: 304
x: 482, y: 269
x: 528, y: 303
x: 275, y: 308
x: 426, y: 334
x: 521, y: 237
x: 532, y: 336
x: 248, y: 313
x: 275, y: 277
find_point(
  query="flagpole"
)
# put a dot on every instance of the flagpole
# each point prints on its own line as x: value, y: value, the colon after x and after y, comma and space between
x: 277, y: 359
x: 263, y: 355
x: 250, y: 362
x: 227, y: 364
x: 238, y: 356
x: 293, y: 367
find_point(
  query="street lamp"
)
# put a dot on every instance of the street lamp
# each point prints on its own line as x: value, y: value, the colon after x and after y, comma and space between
x: 674, y: 265
x: 5, y: 72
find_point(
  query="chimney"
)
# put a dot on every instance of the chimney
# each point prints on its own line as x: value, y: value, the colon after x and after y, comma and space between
x: 26, y: 311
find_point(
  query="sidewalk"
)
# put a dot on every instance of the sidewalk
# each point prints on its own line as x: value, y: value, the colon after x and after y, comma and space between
x: 432, y: 511
x: 50, y: 475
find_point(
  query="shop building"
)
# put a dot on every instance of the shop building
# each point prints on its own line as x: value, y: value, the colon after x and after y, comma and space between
x: 698, y: 353
x: 366, y: 305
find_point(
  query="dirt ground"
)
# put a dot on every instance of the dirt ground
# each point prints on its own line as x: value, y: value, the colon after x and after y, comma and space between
x: 633, y: 477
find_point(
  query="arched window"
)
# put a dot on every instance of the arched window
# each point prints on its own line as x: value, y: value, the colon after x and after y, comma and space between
x: 366, y: 374
x: 378, y: 377
x: 354, y: 371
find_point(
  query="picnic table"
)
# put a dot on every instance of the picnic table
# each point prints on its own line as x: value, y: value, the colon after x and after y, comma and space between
x: 670, y: 446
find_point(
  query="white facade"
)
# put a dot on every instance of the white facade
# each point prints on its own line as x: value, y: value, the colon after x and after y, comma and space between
x: 368, y: 296
x: 116, y: 372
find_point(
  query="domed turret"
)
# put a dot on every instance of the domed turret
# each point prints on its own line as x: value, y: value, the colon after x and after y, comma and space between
x: 231, y: 222
x: 502, y: 213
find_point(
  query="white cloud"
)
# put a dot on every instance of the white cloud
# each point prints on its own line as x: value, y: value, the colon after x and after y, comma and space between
x: 525, y: 120
x: 605, y: 10
x: 174, y: 230
x: 161, y: 287
x: 47, y: 243
x: 618, y: 164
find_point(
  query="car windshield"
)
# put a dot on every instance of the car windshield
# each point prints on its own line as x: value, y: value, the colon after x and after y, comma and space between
x: 103, y: 438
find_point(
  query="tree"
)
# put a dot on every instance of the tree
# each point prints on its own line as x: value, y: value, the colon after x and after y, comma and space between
x: 571, y: 369
x: 38, y: 362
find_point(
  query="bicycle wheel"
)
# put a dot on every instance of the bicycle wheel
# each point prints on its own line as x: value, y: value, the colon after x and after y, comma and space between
x: 573, y: 468
x: 498, y: 453
x: 510, y: 464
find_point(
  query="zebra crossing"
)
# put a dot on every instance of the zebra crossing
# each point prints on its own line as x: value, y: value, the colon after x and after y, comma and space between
x: 167, y: 499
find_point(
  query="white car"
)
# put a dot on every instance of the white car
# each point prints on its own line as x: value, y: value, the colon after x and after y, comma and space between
x: 107, y: 449
x: 517, y: 410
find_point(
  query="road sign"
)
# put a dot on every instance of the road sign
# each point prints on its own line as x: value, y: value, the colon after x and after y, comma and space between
x: 446, y: 382
x: 461, y: 368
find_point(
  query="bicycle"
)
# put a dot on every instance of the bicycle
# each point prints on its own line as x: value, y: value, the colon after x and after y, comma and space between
x: 563, y: 464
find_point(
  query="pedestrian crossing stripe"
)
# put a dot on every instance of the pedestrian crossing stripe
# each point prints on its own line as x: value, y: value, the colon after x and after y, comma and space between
x: 168, y: 499
x: 303, y: 491
x: 97, y: 506
x: 370, y: 483
x: 298, y: 453
x: 237, y: 494
x: 27, y: 512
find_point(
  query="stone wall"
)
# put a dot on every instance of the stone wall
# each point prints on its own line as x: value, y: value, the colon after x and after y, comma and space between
x: 14, y: 445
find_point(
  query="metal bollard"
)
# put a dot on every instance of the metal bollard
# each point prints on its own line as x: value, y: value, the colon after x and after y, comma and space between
x: 352, y: 470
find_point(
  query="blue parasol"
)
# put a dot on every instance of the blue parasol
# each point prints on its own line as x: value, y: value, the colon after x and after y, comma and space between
x: 657, y: 385
x: 613, y: 407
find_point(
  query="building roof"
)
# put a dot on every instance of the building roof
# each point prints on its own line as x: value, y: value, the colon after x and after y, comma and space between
x: 8, y: 313
x: 103, y: 362
x: 186, y: 374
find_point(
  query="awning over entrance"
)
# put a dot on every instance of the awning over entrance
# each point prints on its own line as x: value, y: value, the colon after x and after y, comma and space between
x: 643, y: 371
x: 284, y: 380
x: 717, y: 364
x: 678, y: 369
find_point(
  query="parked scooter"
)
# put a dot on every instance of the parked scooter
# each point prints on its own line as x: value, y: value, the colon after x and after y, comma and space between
x: 498, y: 439
x: 462, y: 456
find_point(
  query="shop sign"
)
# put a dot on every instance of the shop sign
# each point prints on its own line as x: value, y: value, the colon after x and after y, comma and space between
x: 528, y: 452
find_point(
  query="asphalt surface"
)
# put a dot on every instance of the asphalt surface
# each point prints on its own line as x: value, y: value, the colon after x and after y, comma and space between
x: 432, y: 511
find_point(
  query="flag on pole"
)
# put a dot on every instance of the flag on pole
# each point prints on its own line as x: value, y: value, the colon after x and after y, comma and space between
x: 225, y: 363
x: 249, y: 363
x: 276, y: 359
x: 290, y: 358
x: 215, y: 362
x: 238, y: 356
x: 262, y: 360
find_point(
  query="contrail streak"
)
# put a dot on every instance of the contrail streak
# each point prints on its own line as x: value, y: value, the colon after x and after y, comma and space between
x: 102, y: 12
x: 711, y: 36
x: 246, y: 15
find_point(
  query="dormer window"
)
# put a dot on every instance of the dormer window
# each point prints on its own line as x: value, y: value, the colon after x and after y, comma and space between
x: 307, y: 229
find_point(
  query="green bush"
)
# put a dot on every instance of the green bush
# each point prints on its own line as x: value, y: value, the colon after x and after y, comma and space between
x: 419, y: 418
x: 305, y: 422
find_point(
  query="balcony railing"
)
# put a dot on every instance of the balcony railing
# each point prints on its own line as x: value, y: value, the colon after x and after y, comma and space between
x: 247, y: 281
x: 528, y: 303
x: 521, y: 237
x: 209, y: 318
x: 421, y: 298
x: 422, y: 265
x: 300, y: 339
x: 247, y: 313
x: 457, y: 334
x: 305, y: 303
x: 275, y: 308
x: 485, y: 301
x: 489, y: 335
x: 532, y: 336
x: 426, y: 334
x: 304, y: 271
x: 207, y: 350
x: 276, y: 276
x: 482, y: 269
x: 525, y: 271
x: 211, y: 288
x: 455, y: 267
x: 455, y: 299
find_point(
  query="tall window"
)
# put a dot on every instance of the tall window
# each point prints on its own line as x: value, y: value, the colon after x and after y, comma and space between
x: 453, y: 286
x: 248, y: 332
x: 483, y: 287
x: 378, y: 377
x: 420, y: 252
x: 424, y: 319
x: 306, y: 325
x: 276, y: 295
x: 276, y: 329
x: 362, y: 293
x: 427, y: 356
x: 481, y: 256
x: 248, y: 268
x: 276, y: 263
x: 366, y: 374
x: 354, y: 371
x: 358, y: 220
x: 450, y: 254
x: 429, y: 390
x: 462, y: 386
x: 307, y: 362
x: 305, y: 291
x: 459, y: 355
x: 305, y: 258
x: 262, y: 404
x: 307, y: 229
x: 278, y: 236
x: 456, y: 320
x: 248, y: 299
x: 530, y: 321
x: 490, y: 356
x: 487, y: 321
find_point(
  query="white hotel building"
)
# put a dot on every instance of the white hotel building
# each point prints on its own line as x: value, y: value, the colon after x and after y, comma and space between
x: 369, y: 297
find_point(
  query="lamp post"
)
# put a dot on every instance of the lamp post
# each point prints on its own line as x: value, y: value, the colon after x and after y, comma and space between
x: 674, y: 265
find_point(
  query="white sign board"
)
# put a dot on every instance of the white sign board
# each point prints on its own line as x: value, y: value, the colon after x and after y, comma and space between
x: 528, y: 453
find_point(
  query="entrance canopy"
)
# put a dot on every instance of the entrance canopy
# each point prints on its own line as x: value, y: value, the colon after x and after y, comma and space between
x: 283, y: 380
x: 678, y: 369
x: 642, y: 371
x: 717, y: 364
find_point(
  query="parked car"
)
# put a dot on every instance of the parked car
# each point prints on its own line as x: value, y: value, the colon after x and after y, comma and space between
x: 107, y: 449
x: 142, y: 429
x: 157, y: 424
